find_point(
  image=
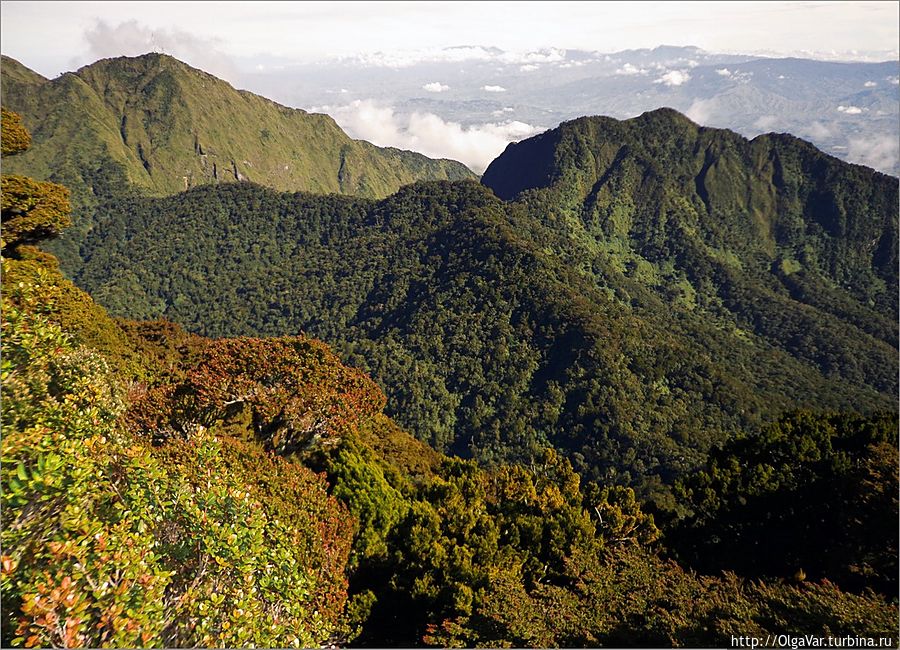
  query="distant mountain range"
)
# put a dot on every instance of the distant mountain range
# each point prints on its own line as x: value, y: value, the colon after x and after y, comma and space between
x: 847, y: 109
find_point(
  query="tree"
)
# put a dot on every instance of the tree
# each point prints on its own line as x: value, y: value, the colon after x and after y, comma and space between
x: 31, y: 210
x: 15, y: 138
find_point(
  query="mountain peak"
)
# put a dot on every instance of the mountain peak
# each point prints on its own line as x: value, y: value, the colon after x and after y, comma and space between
x: 15, y: 71
x: 151, y: 63
x: 168, y: 126
x: 588, y: 145
x: 140, y: 60
x: 664, y: 114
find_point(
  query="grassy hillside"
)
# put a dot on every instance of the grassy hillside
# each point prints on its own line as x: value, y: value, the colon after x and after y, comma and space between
x: 171, y: 127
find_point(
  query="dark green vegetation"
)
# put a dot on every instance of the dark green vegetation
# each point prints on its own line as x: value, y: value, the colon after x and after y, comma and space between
x: 148, y: 512
x: 160, y: 125
x: 816, y: 495
x: 631, y: 311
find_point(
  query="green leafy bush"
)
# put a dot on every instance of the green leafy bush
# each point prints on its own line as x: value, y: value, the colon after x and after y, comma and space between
x: 108, y: 541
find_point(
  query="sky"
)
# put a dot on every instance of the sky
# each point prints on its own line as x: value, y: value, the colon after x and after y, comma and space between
x: 54, y: 37
x: 235, y: 40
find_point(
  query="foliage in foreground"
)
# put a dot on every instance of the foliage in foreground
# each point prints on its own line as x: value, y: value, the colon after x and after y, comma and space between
x: 632, y: 598
x: 108, y: 541
x: 811, y: 494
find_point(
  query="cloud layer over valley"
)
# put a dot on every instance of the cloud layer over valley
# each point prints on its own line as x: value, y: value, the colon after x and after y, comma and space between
x: 468, y: 101
x: 475, y: 145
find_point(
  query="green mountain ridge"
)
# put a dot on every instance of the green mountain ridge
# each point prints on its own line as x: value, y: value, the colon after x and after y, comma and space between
x: 171, y: 127
x: 692, y: 211
x: 155, y: 123
x: 647, y: 288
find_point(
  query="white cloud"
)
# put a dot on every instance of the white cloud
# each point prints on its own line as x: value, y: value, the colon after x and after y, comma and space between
x: 725, y: 72
x: 876, y: 152
x: 435, y: 87
x: 766, y: 122
x: 630, y: 69
x: 701, y: 111
x: 674, y: 78
x: 407, y: 58
x: 870, y: 84
x: 531, y: 67
x: 475, y: 146
x: 893, y: 80
x: 849, y: 110
x: 494, y: 89
x: 130, y: 38
x: 31, y: 30
x: 816, y: 131
x: 548, y: 55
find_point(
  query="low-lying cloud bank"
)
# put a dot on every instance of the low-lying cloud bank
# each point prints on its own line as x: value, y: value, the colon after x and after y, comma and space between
x: 475, y: 146
x: 878, y: 152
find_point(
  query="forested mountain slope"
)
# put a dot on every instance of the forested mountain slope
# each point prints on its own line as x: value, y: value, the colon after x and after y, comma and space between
x: 156, y: 491
x: 769, y: 236
x: 155, y: 123
x: 487, y: 335
x: 667, y: 192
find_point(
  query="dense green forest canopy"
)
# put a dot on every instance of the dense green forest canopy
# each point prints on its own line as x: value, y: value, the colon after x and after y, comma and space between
x: 660, y: 288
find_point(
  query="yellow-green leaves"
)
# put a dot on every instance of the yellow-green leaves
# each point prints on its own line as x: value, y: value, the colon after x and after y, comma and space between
x: 15, y: 137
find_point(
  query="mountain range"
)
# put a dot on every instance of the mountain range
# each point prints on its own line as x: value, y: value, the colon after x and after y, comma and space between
x: 848, y: 109
x: 655, y: 365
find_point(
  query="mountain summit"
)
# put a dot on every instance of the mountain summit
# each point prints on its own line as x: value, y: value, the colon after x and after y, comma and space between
x: 659, y: 184
x: 169, y: 127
